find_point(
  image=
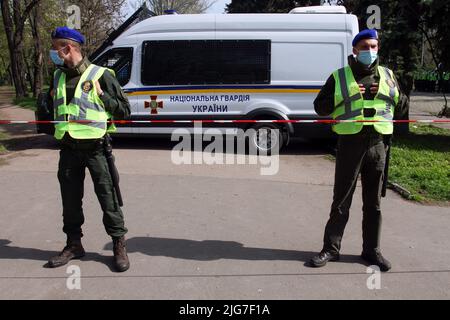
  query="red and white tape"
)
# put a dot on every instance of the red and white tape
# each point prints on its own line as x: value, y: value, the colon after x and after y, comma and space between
x: 329, y: 121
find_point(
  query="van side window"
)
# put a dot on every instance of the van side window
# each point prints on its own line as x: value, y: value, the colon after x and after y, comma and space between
x: 120, y: 60
x: 187, y: 62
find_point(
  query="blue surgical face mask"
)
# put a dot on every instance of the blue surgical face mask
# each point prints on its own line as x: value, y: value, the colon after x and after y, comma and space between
x: 56, y: 58
x: 367, y: 57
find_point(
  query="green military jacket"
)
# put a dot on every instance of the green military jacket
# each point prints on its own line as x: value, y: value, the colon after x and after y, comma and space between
x: 114, y: 99
x: 324, y: 102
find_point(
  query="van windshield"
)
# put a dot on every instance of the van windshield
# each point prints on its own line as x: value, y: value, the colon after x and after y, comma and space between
x: 120, y: 60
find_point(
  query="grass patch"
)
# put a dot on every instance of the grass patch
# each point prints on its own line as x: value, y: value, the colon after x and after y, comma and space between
x: 420, y: 162
x: 27, y: 103
x: 3, y: 136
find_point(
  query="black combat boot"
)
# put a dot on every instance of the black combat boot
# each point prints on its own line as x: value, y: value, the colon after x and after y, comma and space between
x: 121, y: 261
x: 73, y: 250
x: 375, y: 258
x: 323, y: 257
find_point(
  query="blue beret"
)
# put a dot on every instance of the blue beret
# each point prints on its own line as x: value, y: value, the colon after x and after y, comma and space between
x: 67, y: 33
x: 365, y: 34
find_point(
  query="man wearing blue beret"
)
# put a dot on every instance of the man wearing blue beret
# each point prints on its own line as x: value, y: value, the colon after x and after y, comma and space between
x: 361, y: 91
x: 85, y: 96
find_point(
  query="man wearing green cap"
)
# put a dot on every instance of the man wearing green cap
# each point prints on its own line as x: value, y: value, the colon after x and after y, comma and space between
x: 361, y: 91
x: 84, y: 97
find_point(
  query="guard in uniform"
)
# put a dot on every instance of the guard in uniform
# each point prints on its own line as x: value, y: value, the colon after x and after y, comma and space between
x: 82, y: 91
x: 447, y: 82
x: 363, y: 90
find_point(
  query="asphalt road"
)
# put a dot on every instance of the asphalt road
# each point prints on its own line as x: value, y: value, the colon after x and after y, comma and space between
x: 209, y: 231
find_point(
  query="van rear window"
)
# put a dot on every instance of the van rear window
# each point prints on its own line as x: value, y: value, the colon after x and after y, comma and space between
x: 186, y: 62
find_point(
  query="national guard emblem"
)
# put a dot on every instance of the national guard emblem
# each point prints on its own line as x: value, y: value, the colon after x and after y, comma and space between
x: 86, y: 86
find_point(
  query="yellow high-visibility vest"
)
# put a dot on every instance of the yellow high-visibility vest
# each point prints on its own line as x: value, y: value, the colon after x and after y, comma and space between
x: 349, y: 103
x: 85, y: 105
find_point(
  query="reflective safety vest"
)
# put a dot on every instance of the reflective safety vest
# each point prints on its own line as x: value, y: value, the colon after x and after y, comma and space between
x: 349, y: 103
x: 85, y: 105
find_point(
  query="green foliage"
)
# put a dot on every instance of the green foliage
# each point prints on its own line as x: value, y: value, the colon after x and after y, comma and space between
x: 420, y: 162
x: 97, y: 18
x: 26, y: 102
x: 4, y: 56
x: 401, y: 34
x: 3, y: 149
x: 436, y: 20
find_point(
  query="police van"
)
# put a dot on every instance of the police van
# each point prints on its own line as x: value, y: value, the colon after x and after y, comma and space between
x: 230, y: 67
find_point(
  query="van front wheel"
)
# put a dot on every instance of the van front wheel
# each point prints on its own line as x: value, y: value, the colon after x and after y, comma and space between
x: 266, y: 138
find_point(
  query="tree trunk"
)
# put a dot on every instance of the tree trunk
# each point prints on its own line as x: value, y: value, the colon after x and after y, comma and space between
x: 7, y: 68
x: 14, y: 25
x: 35, y: 22
x: 9, y: 74
x: 445, y: 110
x: 11, y: 81
x: 29, y: 72
x: 18, y: 49
x: 15, y: 72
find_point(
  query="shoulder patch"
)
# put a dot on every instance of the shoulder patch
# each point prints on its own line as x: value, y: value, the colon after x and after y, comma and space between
x: 87, y: 86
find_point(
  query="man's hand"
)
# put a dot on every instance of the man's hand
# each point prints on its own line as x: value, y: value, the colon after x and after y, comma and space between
x: 99, y: 88
x: 362, y: 89
x: 373, y: 88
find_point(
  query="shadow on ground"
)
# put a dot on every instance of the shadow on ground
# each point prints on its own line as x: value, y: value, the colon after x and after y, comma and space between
x: 12, y: 252
x: 22, y: 143
x: 209, y: 250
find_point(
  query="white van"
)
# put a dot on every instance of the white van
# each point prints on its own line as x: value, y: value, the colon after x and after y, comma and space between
x: 230, y: 67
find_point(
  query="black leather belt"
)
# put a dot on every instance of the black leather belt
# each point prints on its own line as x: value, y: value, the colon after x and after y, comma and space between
x: 70, y: 142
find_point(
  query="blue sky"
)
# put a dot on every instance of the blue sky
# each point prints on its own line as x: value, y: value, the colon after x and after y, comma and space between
x: 217, y: 7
